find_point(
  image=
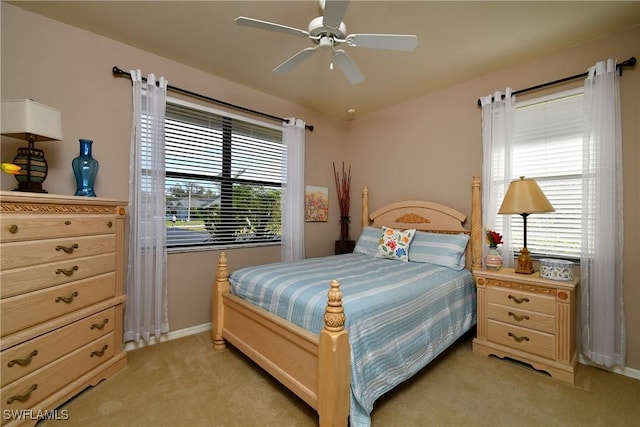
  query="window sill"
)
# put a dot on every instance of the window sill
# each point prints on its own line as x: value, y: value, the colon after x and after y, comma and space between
x: 217, y: 248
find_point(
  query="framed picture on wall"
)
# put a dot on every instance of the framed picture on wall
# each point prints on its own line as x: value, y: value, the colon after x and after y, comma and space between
x: 316, y: 204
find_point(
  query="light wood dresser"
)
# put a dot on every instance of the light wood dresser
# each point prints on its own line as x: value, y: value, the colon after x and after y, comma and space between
x: 61, y: 305
x: 529, y: 319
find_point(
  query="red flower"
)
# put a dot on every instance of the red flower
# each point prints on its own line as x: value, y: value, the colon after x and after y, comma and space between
x: 493, y: 238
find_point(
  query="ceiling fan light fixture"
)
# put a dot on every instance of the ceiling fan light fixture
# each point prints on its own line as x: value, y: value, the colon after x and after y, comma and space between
x: 326, y: 42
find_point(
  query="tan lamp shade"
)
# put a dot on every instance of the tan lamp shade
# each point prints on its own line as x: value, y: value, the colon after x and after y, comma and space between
x: 25, y: 118
x: 525, y: 196
x: 31, y: 121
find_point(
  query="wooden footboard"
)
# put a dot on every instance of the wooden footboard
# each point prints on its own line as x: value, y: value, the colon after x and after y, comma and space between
x: 316, y: 368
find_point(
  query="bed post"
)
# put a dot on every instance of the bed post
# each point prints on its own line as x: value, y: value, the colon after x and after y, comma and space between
x: 365, y: 207
x: 476, y: 224
x: 221, y: 285
x: 333, y: 363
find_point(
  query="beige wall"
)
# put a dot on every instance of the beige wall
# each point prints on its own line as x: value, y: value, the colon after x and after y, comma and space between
x: 432, y: 142
x: 429, y: 148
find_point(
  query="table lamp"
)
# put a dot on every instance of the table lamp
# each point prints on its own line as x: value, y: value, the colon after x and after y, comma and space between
x: 524, y: 197
x: 31, y: 121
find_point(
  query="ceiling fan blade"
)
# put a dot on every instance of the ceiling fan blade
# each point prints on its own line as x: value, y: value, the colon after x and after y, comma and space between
x: 383, y: 41
x: 334, y: 11
x: 265, y: 25
x: 295, y: 60
x: 348, y: 67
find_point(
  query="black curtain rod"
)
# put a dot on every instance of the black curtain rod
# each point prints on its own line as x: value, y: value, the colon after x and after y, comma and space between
x: 117, y: 72
x: 628, y: 63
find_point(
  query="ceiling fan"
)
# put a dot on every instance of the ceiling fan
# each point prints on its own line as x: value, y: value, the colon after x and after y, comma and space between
x: 328, y: 32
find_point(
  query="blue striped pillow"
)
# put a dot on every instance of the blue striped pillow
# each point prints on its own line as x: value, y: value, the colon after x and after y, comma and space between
x: 447, y: 250
x: 368, y: 241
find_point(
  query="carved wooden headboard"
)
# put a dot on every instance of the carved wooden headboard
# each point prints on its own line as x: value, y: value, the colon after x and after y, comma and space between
x: 421, y: 215
x: 430, y: 216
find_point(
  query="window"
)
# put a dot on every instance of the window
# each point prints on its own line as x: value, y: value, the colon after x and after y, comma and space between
x: 547, y: 146
x: 223, y: 178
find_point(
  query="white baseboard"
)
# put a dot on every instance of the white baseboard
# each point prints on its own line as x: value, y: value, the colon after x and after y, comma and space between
x: 622, y: 370
x: 132, y: 345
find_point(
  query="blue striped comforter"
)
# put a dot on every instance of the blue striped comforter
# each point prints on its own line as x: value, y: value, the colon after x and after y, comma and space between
x: 400, y: 315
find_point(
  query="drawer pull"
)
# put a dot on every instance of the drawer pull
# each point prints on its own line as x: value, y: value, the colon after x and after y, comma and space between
x: 13, y: 229
x: 100, y: 325
x: 99, y: 353
x: 518, y: 318
x: 68, y: 299
x: 517, y: 338
x: 110, y: 224
x: 518, y: 300
x: 67, y: 222
x: 67, y: 272
x: 22, y: 397
x: 67, y: 249
x: 23, y: 362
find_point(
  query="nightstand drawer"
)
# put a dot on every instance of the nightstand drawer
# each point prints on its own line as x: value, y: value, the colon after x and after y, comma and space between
x: 522, y: 339
x: 523, y: 318
x: 521, y: 300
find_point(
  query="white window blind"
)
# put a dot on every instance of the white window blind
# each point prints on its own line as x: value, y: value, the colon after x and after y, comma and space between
x: 223, y: 178
x: 547, y: 146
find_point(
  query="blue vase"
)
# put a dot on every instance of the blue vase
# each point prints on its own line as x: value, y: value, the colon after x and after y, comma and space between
x: 85, y: 169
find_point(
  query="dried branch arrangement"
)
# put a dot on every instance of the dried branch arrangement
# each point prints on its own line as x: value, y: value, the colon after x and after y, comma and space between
x: 342, y: 186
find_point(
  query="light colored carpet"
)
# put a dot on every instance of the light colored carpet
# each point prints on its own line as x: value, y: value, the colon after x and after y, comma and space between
x: 185, y: 382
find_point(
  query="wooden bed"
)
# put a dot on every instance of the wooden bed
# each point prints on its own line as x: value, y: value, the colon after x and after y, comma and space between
x: 316, y: 368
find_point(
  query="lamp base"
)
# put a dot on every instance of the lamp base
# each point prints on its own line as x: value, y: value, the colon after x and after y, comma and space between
x: 525, y: 264
x: 33, y: 169
x: 31, y: 187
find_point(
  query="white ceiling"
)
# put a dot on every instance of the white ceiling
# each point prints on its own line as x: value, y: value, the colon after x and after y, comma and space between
x: 457, y: 40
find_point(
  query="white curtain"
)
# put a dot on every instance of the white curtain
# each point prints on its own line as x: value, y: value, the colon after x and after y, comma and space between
x: 292, y: 245
x: 602, y: 315
x: 497, y: 130
x: 146, y: 312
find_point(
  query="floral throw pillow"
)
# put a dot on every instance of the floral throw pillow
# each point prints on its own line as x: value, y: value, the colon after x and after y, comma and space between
x: 394, y: 244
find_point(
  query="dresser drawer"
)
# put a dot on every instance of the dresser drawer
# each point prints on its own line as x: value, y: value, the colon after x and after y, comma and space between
x: 523, y: 318
x: 19, y: 227
x: 25, y: 358
x: 522, y: 339
x: 31, y: 309
x: 36, y: 252
x: 31, y: 389
x: 521, y: 300
x: 22, y: 280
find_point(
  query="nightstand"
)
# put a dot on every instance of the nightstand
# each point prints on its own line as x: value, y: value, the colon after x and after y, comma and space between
x: 345, y: 246
x: 529, y: 319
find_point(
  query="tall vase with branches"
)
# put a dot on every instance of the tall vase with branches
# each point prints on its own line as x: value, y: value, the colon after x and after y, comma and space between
x: 343, y: 184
